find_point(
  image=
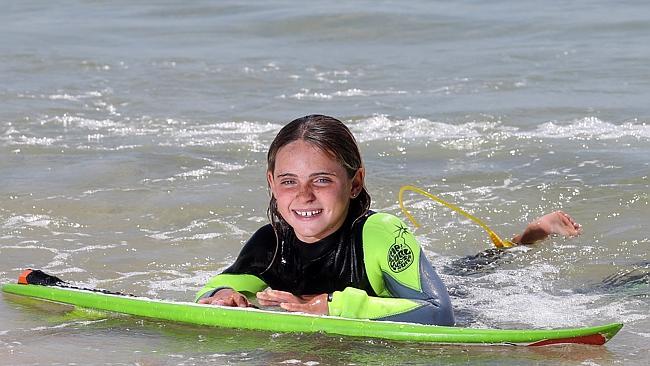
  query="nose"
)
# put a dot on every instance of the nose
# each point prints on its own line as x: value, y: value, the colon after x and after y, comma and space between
x: 306, y: 192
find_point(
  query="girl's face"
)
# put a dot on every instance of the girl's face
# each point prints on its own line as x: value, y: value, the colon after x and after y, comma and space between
x: 312, y: 190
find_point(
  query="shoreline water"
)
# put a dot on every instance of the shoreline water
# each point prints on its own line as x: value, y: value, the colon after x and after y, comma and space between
x: 133, y: 141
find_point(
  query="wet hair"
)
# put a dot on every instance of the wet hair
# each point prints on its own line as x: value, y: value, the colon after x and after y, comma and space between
x: 331, y: 136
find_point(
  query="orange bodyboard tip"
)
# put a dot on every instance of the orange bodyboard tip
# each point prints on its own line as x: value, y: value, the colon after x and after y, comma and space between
x: 592, y: 339
x: 22, y: 279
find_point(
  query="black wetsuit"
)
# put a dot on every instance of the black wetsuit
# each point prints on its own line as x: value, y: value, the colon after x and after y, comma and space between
x: 373, y: 268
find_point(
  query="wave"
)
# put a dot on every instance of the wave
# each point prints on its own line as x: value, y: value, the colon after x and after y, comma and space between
x: 382, y: 127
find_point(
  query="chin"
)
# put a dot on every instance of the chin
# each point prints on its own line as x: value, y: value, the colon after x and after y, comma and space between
x: 310, y: 233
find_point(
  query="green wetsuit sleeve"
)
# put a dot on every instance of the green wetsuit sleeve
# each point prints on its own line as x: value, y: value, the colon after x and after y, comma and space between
x: 245, y: 283
x: 407, y: 286
x: 244, y: 275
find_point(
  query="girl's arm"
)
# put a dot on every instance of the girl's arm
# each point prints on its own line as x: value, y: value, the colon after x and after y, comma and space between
x: 241, y: 276
x: 407, y: 286
x: 555, y: 223
x: 242, y: 283
x: 428, y: 304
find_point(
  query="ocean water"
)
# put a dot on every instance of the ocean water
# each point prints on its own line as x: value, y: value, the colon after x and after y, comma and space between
x: 132, y: 154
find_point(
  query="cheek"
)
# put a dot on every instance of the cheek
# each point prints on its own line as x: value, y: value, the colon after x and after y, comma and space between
x: 338, y: 198
x: 283, y: 197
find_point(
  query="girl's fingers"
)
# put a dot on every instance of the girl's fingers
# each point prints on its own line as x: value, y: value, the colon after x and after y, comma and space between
x: 226, y: 298
x: 317, y: 305
x: 268, y: 303
x: 276, y: 296
x: 267, y: 299
x: 240, y: 301
x: 313, y: 304
x: 294, y: 307
x: 571, y: 222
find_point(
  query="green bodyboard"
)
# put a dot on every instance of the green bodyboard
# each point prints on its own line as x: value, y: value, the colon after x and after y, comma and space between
x: 275, y: 321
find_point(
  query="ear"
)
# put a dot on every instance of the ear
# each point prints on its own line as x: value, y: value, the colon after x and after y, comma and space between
x: 269, y: 181
x: 358, y: 182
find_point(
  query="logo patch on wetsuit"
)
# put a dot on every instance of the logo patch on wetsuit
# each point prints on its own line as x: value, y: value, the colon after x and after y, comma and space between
x: 400, y: 255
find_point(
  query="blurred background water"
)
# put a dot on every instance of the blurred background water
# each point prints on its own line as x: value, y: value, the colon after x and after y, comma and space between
x: 132, y: 157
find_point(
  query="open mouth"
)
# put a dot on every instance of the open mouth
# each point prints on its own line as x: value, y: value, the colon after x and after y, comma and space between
x: 307, y: 213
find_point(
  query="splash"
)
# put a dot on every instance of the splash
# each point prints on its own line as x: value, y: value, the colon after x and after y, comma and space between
x: 590, y: 128
x: 383, y: 127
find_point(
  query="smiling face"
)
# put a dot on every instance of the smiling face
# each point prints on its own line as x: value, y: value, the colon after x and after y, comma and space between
x: 312, y: 190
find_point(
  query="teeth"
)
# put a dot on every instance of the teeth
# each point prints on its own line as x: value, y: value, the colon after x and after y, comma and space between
x: 308, y: 213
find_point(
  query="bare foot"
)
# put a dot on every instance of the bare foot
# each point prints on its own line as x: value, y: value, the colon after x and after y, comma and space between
x: 555, y: 223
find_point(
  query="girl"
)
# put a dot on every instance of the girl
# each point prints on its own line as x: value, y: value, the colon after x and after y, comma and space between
x: 325, y: 252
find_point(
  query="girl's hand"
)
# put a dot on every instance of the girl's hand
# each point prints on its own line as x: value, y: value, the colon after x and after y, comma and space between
x: 555, y: 223
x: 226, y: 297
x: 271, y: 297
x: 311, y: 304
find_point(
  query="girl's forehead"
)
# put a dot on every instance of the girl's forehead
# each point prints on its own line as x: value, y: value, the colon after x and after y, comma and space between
x: 304, y: 148
x: 302, y: 154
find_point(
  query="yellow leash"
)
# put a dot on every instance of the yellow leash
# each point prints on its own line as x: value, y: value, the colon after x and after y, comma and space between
x: 498, y: 242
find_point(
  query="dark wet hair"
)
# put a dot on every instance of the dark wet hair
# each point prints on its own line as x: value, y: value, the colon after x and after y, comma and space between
x: 331, y: 136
